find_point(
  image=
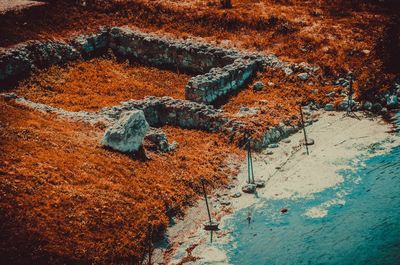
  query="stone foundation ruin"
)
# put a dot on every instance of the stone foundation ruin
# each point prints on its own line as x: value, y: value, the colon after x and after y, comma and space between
x: 219, y: 72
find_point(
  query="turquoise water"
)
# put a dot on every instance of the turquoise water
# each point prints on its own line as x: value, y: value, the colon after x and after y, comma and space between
x: 364, y: 229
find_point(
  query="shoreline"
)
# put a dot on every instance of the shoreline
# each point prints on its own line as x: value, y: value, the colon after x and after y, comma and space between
x: 288, y: 172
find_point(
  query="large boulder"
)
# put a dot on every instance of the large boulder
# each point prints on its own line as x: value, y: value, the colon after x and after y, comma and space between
x: 127, y: 134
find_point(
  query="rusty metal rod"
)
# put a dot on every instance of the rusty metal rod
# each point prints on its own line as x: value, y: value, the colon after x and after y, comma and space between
x: 304, y: 129
x: 205, y: 197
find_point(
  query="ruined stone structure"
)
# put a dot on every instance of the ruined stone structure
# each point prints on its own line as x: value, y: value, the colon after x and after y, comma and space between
x: 219, y: 72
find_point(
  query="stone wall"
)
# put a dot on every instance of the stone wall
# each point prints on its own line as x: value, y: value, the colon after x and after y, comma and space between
x: 220, y: 70
x: 219, y: 82
x: 18, y: 62
x: 184, y: 55
x: 160, y: 111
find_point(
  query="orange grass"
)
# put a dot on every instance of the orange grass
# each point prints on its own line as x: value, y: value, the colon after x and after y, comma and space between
x: 63, y: 197
x: 91, y: 85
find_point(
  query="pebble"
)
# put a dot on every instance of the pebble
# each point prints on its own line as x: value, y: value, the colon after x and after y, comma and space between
x: 249, y: 188
x: 376, y: 107
x: 236, y: 194
x: 329, y: 107
x: 392, y: 101
x: 258, y: 86
x: 331, y: 94
x: 367, y: 105
x: 303, y: 76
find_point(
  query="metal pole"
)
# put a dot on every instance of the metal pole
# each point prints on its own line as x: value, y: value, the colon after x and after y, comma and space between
x: 150, y: 247
x: 304, y: 130
x: 251, y: 163
x: 246, y: 138
x: 205, y: 197
x: 350, y: 96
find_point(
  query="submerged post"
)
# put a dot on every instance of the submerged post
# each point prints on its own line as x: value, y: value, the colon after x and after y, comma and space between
x: 304, y: 129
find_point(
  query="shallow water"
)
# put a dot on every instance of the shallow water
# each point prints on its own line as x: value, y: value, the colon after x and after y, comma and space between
x: 359, y: 221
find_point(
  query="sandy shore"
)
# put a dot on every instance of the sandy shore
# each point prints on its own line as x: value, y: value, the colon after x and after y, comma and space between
x: 289, y: 172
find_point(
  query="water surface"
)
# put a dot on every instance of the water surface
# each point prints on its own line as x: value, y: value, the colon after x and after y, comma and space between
x: 359, y: 224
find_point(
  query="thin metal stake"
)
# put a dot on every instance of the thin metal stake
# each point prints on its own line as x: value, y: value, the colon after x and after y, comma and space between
x: 251, y: 164
x: 205, y: 197
x: 350, y: 96
x: 250, y: 171
x: 304, y: 130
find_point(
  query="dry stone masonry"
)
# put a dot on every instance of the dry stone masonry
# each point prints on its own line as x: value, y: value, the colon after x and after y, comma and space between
x: 219, y: 82
x: 220, y: 71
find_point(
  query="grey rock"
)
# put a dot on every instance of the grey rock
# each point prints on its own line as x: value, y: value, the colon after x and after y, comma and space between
x: 159, y: 139
x: 249, y: 188
x: 288, y: 71
x: 392, y: 101
x: 128, y: 133
x: 236, y: 194
x: 245, y: 111
x: 367, y: 105
x: 329, y: 107
x: 258, y: 86
x: 331, y: 94
x: 303, y: 76
x: 376, y: 107
x: 273, y: 145
x: 260, y: 183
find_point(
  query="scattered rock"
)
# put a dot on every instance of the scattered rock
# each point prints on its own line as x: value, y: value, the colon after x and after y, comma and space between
x: 366, y: 52
x: 303, y: 76
x: 127, y: 134
x: 367, y: 105
x: 329, y: 107
x: 310, y: 141
x: 271, y: 84
x: 236, y: 194
x: 273, y: 146
x: 376, y: 107
x: 159, y: 140
x: 230, y: 186
x: 245, y: 111
x: 331, y: 94
x: 260, y: 183
x: 225, y: 202
x: 286, y: 141
x: 258, y: 86
x: 249, y: 188
x: 392, y: 101
x: 287, y: 71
